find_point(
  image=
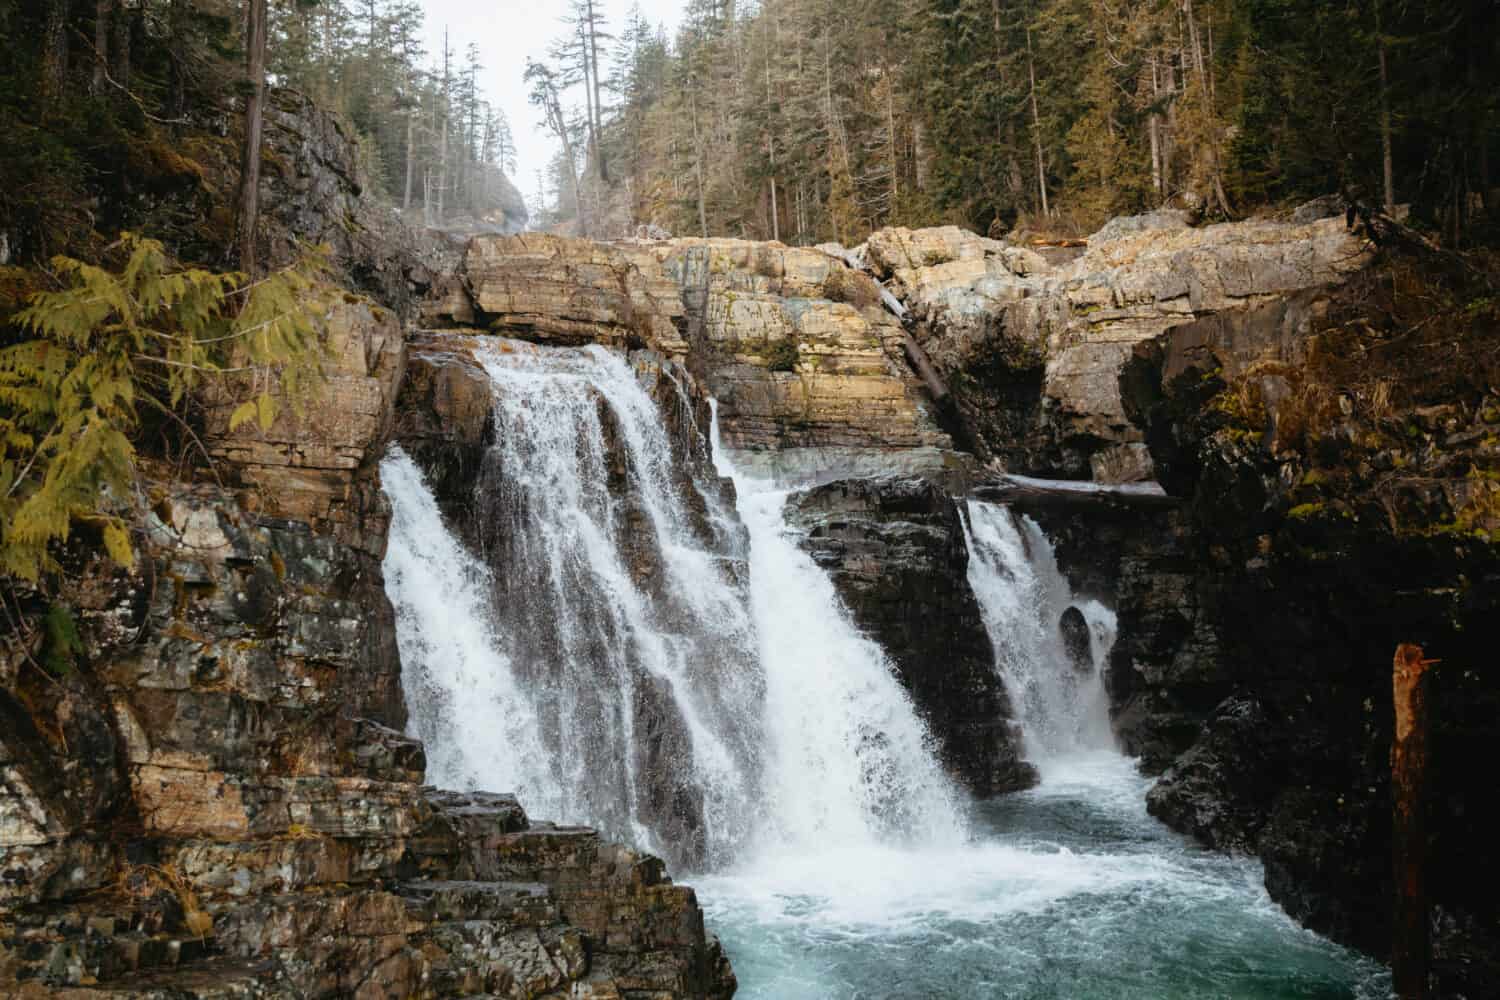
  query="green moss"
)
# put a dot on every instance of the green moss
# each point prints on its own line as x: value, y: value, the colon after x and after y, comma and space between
x: 61, y: 642
x: 1305, y: 511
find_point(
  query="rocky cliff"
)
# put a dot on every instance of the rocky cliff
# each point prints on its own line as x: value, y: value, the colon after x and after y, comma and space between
x: 208, y: 793
x: 218, y: 800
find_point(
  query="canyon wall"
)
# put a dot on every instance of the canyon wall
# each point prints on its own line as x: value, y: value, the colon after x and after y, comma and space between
x: 218, y: 799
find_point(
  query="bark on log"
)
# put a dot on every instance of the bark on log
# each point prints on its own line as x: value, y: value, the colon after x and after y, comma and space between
x: 1026, y: 493
x: 918, y: 358
x: 1411, y: 948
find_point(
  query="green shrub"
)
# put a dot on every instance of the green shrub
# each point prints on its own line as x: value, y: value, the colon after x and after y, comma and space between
x: 782, y: 355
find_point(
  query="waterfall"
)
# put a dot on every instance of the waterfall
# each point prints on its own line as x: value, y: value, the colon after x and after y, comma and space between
x: 587, y: 639
x: 612, y: 633
x: 850, y: 763
x: 1057, y: 688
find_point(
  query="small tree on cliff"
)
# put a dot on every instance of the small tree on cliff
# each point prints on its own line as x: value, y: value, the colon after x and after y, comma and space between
x: 114, y: 343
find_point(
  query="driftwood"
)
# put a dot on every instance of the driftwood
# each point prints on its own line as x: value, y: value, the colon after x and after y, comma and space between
x: 1411, y: 947
x: 917, y: 357
x: 1024, y: 492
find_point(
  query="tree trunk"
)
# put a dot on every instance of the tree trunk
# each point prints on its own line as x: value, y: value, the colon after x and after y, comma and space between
x: 442, y: 185
x: 1153, y: 126
x: 1387, y: 160
x: 598, y: 101
x: 255, y: 72
x: 771, y: 146
x: 177, y: 82
x: 102, y: 10
x: 1411, y: 947
x: 55, y: 48
x: 411, y: 156
x: 119, y: 56
x: 1036, y: 128
x: 698, y: 159
x: 890, y: 117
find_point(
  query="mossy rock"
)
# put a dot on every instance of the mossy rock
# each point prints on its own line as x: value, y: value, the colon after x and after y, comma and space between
x: 782, y: 356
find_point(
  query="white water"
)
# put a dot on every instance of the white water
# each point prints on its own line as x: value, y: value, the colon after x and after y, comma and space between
x: 849, y: 764
x: 614, y: 667
x: 1014, y: 575
x: 533, y: 667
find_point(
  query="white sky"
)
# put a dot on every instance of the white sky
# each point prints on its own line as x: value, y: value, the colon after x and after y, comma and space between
x: 507, y: 32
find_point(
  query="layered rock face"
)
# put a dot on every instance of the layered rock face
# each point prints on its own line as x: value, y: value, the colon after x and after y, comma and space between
x: 1034, y: 349
x: 212, y: 797
x: 200, y: 812
x: 896, y: 552
x: 793, y: 343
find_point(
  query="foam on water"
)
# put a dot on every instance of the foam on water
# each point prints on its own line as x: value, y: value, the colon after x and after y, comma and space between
x: 1014, y: 574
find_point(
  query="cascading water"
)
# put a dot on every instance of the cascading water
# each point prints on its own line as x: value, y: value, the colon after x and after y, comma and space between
x: 1060, y: 702
x: 850, y: 764
x: 1067, y: 891
x: 601, y: 660
x: 614, y: 632
x: 593, y: 644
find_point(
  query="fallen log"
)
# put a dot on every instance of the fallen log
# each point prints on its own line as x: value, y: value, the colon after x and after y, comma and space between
x: 915, y: 355
x: 1024, y: 492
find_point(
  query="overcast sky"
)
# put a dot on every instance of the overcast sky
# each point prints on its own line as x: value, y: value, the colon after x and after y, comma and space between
x: 507, y: 32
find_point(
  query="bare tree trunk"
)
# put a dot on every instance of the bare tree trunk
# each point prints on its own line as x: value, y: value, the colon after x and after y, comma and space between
x: 119, y: 56
x: 890, y: 118
x: 771, y: 145
x: 255, y: 73
x: 1387, y: 159
x: 1036, y: 128
x: 598, y: 100
x: 999, y: 75
x: 698, y: 159
x: 442, y: 187
x: 411, y: 151
x: 592, y: 146
x: 102, y: 10
x: 55, y: 48
x: 1411, y: 948
x: 919, y: 155
x: 1153, y: 126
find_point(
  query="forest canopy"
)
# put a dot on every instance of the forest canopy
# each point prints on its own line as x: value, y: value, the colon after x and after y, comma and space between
x: 811, y: 120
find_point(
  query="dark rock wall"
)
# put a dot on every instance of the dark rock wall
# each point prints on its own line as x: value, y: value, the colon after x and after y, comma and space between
x: 896, y: 553
x: 1257, y: 628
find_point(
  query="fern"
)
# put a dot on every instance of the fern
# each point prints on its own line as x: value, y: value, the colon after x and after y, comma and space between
x: 113, y: 341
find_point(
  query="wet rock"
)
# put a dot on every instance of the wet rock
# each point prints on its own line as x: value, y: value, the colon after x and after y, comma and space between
x: 895, y: 551
x: 1077, y: 640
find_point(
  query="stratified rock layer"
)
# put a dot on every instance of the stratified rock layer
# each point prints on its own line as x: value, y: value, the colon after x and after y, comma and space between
x: 1034, y: 351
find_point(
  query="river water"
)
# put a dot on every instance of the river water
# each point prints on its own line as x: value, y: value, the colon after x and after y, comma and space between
x: 840, y: 861
x: 1068, y: 891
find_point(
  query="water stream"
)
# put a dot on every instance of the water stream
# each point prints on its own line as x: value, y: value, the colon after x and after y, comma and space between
x: 603, y: 638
